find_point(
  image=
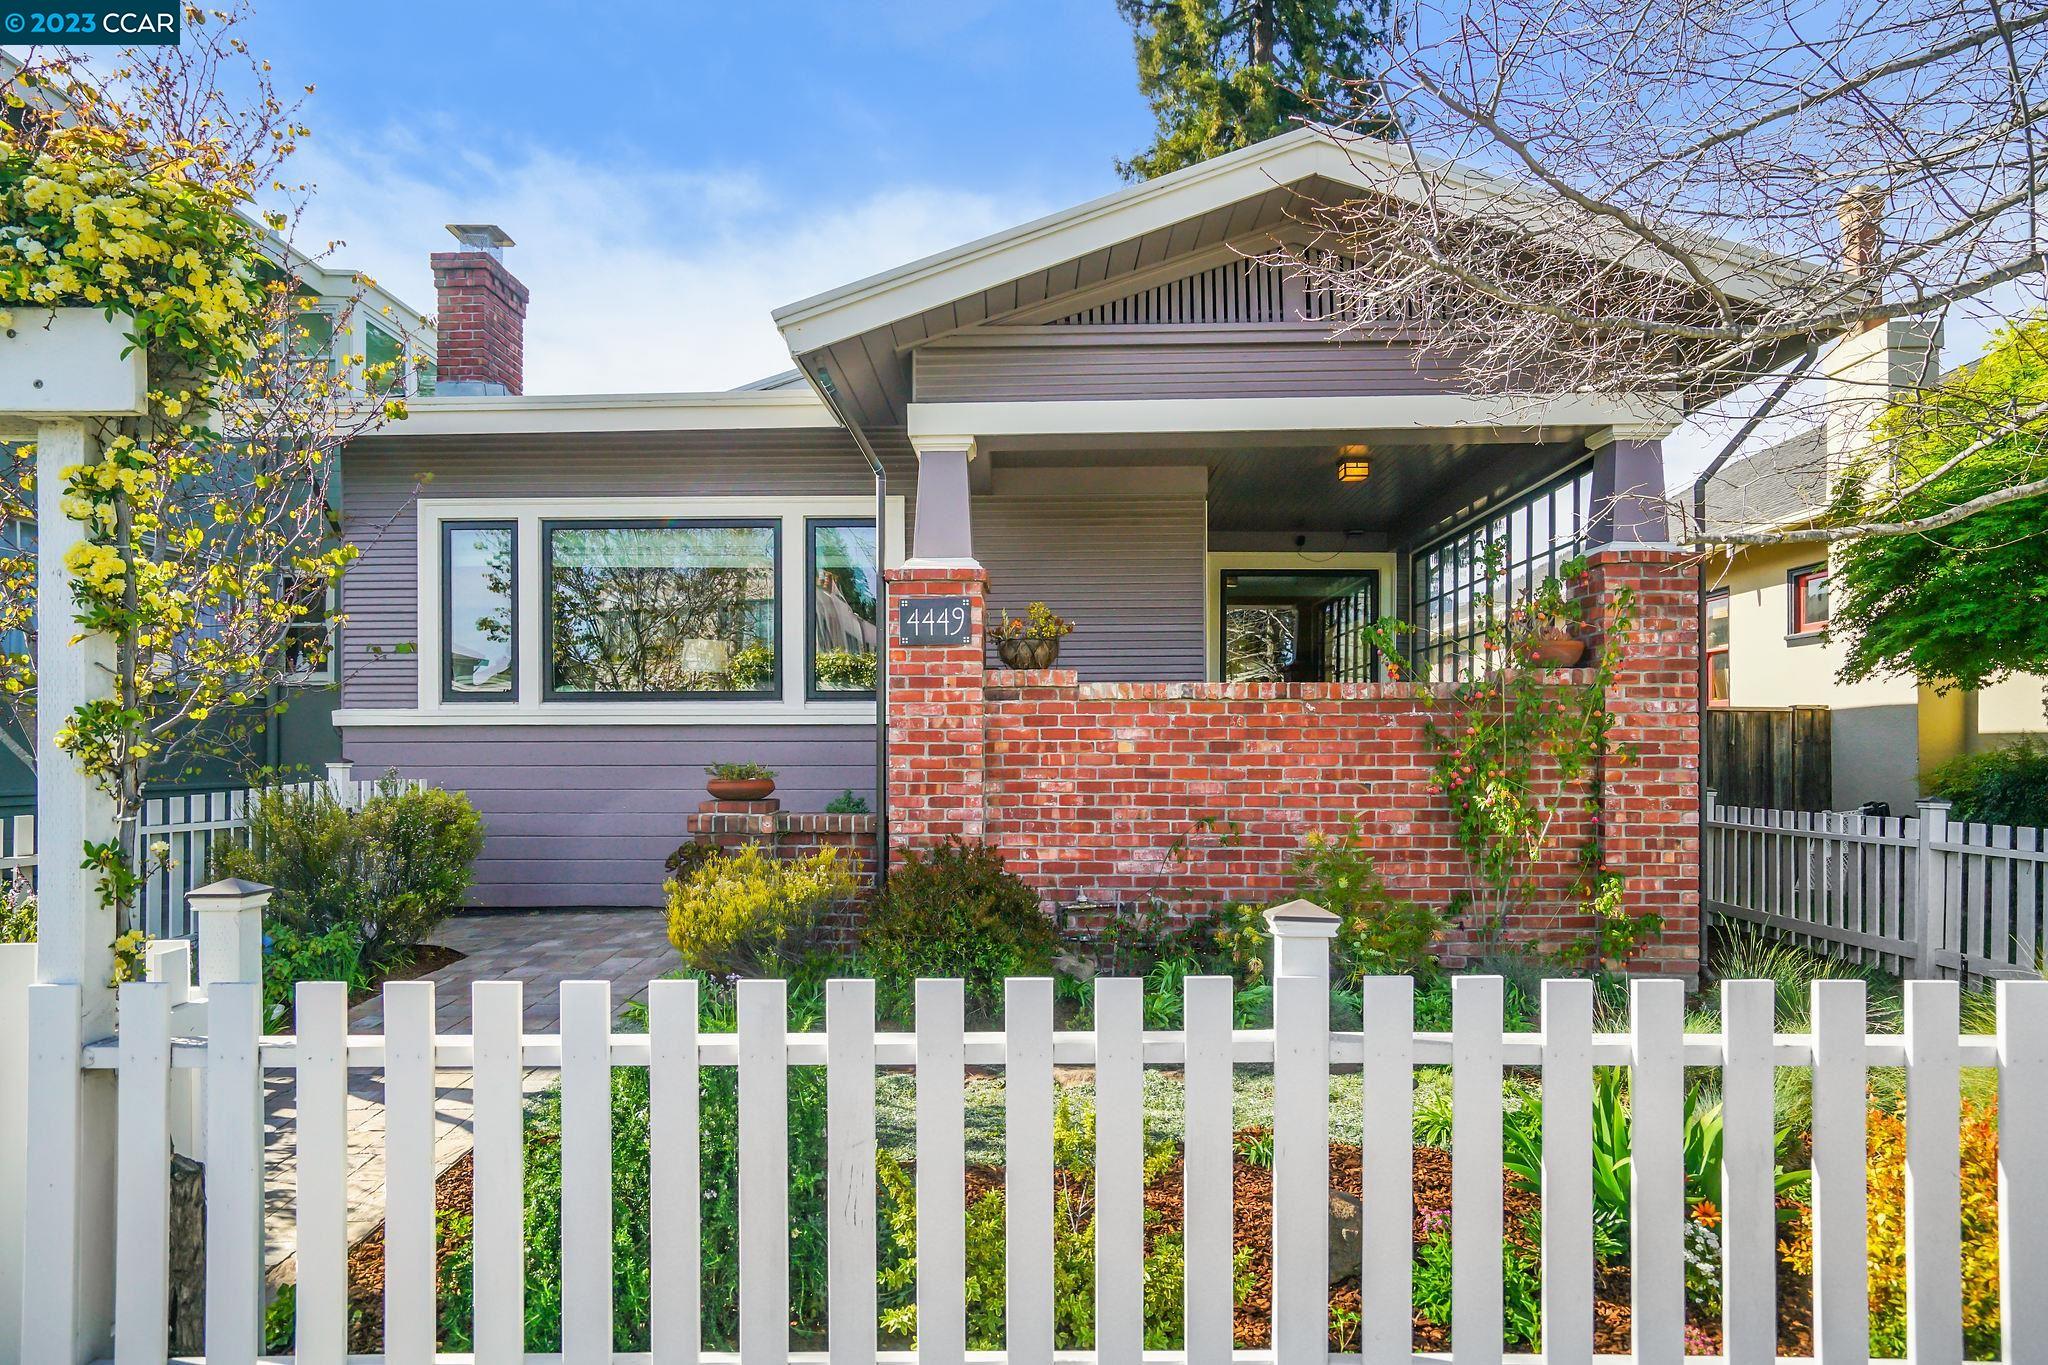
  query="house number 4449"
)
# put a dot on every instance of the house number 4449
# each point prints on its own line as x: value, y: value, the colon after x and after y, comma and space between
x: 933, y: 621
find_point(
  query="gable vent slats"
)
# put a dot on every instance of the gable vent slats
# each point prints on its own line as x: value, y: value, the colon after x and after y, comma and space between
x: 1242, y: 291
x: 1239, y: 292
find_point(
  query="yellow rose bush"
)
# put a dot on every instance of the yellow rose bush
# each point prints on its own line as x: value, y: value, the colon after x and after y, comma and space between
x: 210, y: 545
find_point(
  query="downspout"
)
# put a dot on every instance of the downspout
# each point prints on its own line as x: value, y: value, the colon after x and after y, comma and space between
x: 821, y: 384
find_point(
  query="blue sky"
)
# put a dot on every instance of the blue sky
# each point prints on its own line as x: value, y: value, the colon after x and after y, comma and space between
x: 671, y: 172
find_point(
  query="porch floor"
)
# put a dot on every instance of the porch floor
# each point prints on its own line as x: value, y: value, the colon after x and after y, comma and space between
x: 541, y: 948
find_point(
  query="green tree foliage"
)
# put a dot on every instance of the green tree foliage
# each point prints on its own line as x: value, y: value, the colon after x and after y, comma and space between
x: 1223, y: 74
x: 1965, y: 605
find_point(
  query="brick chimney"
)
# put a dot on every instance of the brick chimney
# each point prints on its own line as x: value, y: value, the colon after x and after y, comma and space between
x: 481, y: 332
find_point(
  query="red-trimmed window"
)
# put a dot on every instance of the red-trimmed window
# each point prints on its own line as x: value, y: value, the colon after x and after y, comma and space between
x: 1717, y: 648
x: 1810, y: 600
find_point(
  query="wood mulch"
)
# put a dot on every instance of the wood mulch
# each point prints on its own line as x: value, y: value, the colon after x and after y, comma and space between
x: 1253, y: 1234
x: 425, y: 960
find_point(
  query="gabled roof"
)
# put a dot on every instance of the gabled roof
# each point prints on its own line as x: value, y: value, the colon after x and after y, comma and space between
x: 1353, y: 163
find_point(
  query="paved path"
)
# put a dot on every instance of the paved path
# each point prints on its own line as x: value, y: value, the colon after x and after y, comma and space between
x: 628, y: 948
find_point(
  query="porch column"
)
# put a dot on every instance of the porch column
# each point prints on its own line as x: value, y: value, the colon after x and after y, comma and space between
x: 935, y: 707
x: 1628, y: 487
x: 1650, y: 778
x: 944, y: 534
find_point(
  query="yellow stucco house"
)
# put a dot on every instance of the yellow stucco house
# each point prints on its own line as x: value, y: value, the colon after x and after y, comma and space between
x: 1767, y: 639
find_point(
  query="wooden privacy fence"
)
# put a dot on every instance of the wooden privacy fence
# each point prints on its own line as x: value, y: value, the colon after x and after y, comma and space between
x: 1917, y: 895
x: 192, y: 826
x: 1777, y: 757
x: 1301, y: 1049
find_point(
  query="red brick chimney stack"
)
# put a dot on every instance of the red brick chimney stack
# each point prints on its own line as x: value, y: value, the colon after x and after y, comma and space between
x: 481, y: 334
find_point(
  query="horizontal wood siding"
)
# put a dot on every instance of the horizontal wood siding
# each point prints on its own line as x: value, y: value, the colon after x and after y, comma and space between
x: 1128, y: 569
x: 586, y: 815
x: 1234, y: 369
x: 383, y: 477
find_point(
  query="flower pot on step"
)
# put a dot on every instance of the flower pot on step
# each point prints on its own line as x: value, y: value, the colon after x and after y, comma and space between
x: 740, y: 788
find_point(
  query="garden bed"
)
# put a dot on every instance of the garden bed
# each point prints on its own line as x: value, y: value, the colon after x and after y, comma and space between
x: 1253, y: 1224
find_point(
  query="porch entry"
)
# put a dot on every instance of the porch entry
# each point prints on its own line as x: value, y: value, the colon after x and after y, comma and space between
x: 1282, y: 625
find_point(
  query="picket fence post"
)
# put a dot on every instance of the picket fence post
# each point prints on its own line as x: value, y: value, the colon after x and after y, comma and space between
x: 1930, y: 908
x: 341, y: 783
x: 230, y: 916
x: 1301, y: 934
x: 17, y: 975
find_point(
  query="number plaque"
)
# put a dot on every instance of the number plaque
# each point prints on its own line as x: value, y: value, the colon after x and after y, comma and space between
x: 933, y: 621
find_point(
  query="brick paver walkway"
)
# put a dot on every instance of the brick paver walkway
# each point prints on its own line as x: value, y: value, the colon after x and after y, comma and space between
x: 628, y: 948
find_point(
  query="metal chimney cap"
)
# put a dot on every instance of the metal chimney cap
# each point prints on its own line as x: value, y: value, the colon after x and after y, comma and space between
x: 481, y: 236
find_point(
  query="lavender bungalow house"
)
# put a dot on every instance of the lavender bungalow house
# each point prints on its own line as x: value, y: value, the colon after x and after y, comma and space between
x: 1115, y: 410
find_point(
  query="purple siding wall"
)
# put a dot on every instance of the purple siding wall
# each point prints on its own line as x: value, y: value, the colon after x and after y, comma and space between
x: 586, y: 814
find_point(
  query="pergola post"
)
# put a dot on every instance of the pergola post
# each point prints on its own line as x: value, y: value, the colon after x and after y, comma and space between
x: 59, y: 371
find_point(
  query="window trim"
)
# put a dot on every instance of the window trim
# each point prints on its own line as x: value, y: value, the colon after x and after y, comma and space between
x: 812, y: 692
x: 1707, y: 651
x: 1797, y: 630
x: 1465, y: 648
x: 549, y: 525
x: 419, y: 638
x: 328, y: 673
x: 449, y: 695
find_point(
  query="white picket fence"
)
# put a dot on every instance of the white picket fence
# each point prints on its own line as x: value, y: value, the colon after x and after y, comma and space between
x: 1921, y: 895
x: 152, y: 1054
x: 192, y: 826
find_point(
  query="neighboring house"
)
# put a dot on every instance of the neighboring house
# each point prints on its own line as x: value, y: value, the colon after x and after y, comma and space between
x: 1115, y: 410
x: 1767, y: 612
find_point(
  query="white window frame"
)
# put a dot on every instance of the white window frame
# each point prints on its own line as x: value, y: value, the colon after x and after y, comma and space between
x: 531, y: 708
x: 327, y: 674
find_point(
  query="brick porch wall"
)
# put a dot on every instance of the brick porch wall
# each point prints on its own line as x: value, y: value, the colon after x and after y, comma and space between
x: 1205, y: 791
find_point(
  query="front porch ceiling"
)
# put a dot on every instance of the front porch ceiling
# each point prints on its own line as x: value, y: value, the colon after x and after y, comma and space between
x: 1281, y: 489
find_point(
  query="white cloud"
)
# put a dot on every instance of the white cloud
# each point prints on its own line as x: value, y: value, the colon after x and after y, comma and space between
x: 643, y: 280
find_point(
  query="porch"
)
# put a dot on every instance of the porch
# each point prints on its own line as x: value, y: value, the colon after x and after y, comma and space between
x: 1194, y: 732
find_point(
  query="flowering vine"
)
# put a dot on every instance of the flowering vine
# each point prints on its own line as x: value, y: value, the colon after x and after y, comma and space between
x: 209, y: 544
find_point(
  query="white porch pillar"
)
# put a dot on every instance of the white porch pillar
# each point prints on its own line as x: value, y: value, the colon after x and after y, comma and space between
x: 75, y: 933
x: 944, y: 535
x: 1628, y: 505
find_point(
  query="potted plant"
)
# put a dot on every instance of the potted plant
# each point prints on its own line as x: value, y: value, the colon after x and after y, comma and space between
x: 1034, y: 641
x: 739, y: 782
x: 1540, y: 625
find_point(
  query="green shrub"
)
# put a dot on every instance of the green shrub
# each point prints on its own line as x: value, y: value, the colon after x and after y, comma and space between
x: 392, y: 870
x: 290, y: 957
x: 953, y: 910
x: 749, y: 914
x: 2007, y: 785
x: 1379, y: 932
x: 848, y: 802
x: 739, y: 772
x: 17, y: 910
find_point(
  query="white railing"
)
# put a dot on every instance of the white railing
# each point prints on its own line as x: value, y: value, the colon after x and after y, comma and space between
x: 151, y: 1057
x: 1921, y: 895
x: 192, y: 826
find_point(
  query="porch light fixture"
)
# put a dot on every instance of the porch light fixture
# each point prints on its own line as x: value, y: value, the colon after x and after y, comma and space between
x: 1352, y: 466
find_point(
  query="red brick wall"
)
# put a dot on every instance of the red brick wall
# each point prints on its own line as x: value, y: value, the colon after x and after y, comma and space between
x: 935, y: 716
x: 480, y: 327
x: 1123, y: 791
x: 731, y: 825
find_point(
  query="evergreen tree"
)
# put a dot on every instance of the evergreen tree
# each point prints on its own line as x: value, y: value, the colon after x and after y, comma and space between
x: 1223, y: 74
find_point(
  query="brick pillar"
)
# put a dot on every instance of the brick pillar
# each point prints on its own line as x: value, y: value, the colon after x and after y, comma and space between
x: 1652, y: 775
x: 935, y: 712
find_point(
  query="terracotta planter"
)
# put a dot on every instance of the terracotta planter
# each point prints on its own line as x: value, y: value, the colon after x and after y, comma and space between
x: 1028, y: 653
x: 1561, y: 650
x: 740, y: 789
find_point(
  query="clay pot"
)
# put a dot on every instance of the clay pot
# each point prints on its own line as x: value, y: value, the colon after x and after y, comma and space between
x: 1028, y: 653
x: 1561, y: 650
x: 740, y: 789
